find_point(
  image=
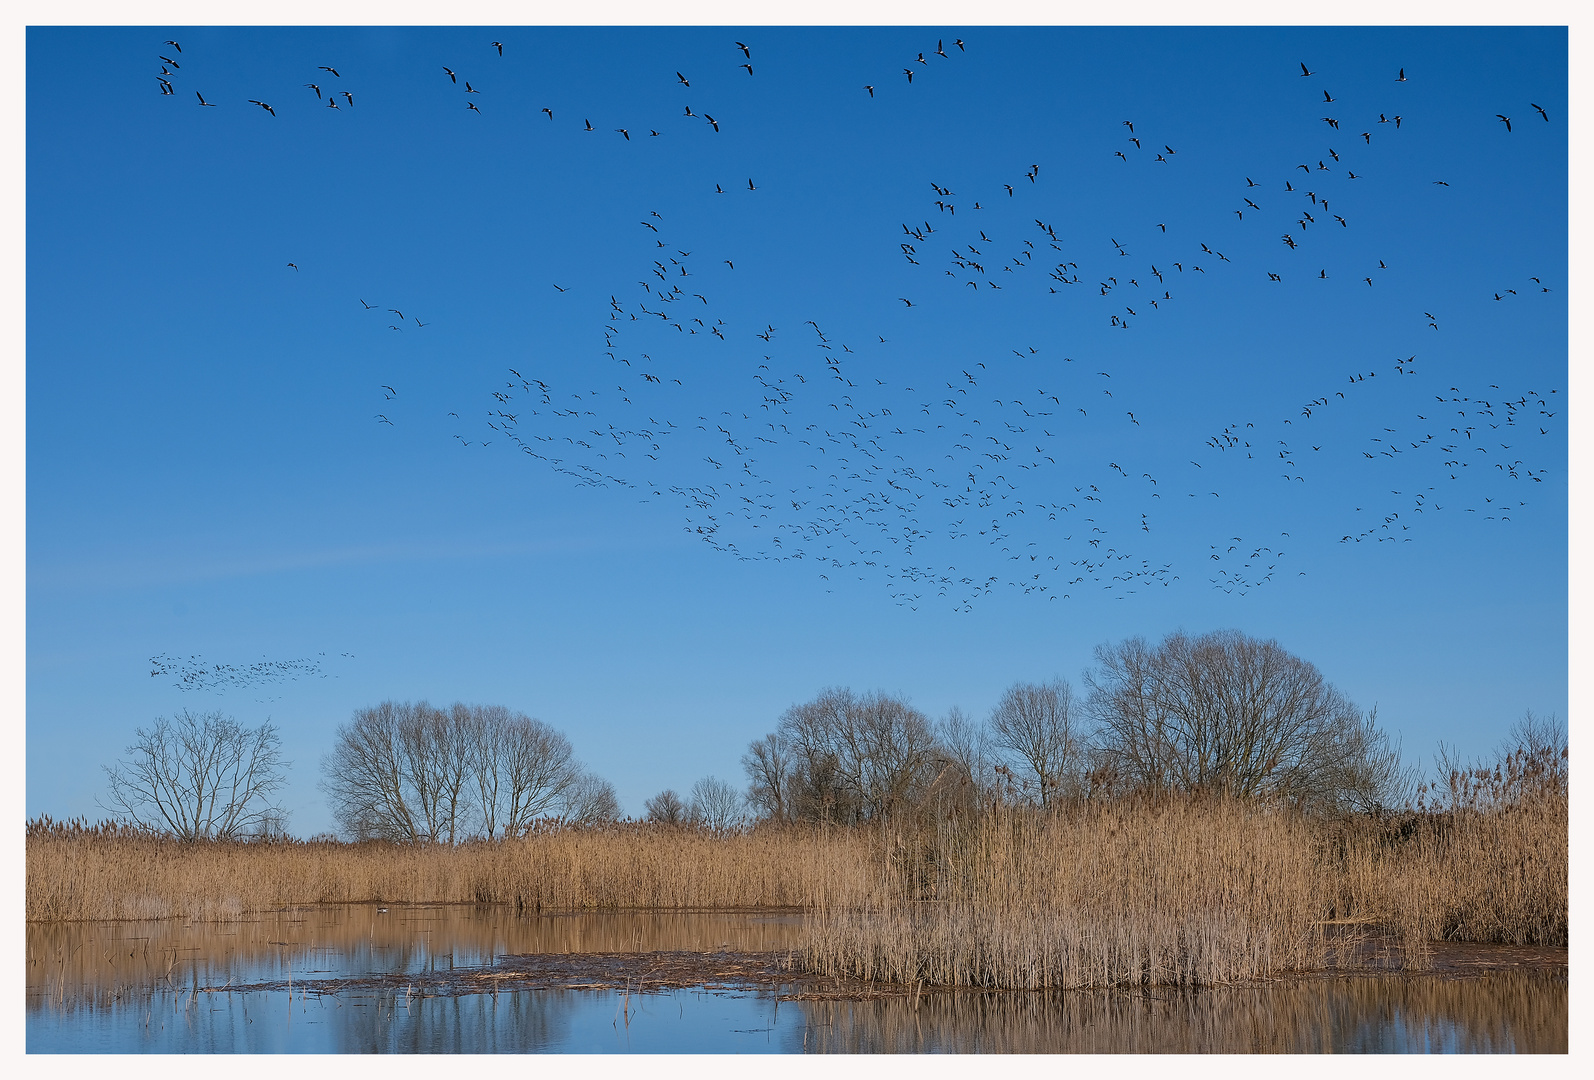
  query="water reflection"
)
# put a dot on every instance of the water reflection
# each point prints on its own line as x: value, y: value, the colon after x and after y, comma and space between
x: 103, y: 963
x: 1506, y: 1012
x: 168, y: 987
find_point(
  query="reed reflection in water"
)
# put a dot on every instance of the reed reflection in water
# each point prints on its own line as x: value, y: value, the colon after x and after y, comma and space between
x: 141, y: 988
x: 1506, y: 1012
x: 96, y: 963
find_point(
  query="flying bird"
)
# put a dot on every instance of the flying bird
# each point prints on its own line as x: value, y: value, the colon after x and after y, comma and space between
x: 451, y: 77
x: 174, y: 45
x: 316, y: 88
x: 1506, y: 120
x: 681, y: 77
x: 745, y: 51
x: 1304, y: 71
x: 1541, y: 113
x: 334, y: 71
x: 499, y: 45
x: 264, y: 106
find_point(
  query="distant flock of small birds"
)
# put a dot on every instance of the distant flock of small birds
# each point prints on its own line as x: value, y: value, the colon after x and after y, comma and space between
x: 193, y: 673
x: 893, y: 480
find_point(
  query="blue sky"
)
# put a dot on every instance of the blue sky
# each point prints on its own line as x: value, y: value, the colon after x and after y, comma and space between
x: 233, y: 458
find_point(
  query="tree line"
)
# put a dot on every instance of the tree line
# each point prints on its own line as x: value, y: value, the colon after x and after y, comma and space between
x: 1220, y: 713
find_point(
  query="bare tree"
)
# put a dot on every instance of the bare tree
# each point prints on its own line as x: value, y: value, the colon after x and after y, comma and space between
x: 589, y: 800
x: 666, y: 808
x: 768, y: 766
x: 965, y: 745
x: 1033, y: 722
x: 366, y: 775
x: 856, y: 757
x: 439, y: 769
x: 402, y: 771
x: 521, y: 768
x: 1363, y: 771
x: 1228, y: 713
x: 715, y: 805
x: 201, y: 776
x: 966, y: 742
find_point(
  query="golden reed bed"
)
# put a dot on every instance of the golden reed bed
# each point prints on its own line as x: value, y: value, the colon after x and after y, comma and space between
x: 1190, y: 891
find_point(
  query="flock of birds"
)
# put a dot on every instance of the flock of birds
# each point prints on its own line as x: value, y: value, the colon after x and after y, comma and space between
x: 193, y: 673
x: 951, y: 484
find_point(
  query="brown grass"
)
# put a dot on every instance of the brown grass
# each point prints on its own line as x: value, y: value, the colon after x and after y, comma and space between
x: 1194, y: 892
x: 1174, y: 891
x: 76, y: 872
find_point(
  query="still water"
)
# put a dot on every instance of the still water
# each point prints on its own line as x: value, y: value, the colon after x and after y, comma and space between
x: 355, y: 979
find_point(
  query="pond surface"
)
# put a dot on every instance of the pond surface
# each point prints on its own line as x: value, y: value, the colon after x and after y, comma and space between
x: 452, y: 979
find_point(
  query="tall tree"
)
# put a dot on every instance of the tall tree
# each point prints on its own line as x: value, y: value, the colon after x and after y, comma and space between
x: 410, y: 772
x: 715, y: 805
x: 1034, y: 723
x: 855, y: 757
x: 199, y: 776
x: 1228, y: 713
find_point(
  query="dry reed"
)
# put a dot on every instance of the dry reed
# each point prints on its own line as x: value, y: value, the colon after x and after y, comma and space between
x: 1165, y: 892
x: 1194, y: 892
x: 1169, y: 891
x: 76, y: 872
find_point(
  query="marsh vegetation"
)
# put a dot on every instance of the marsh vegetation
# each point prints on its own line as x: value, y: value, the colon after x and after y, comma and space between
x: 1209, y: 811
